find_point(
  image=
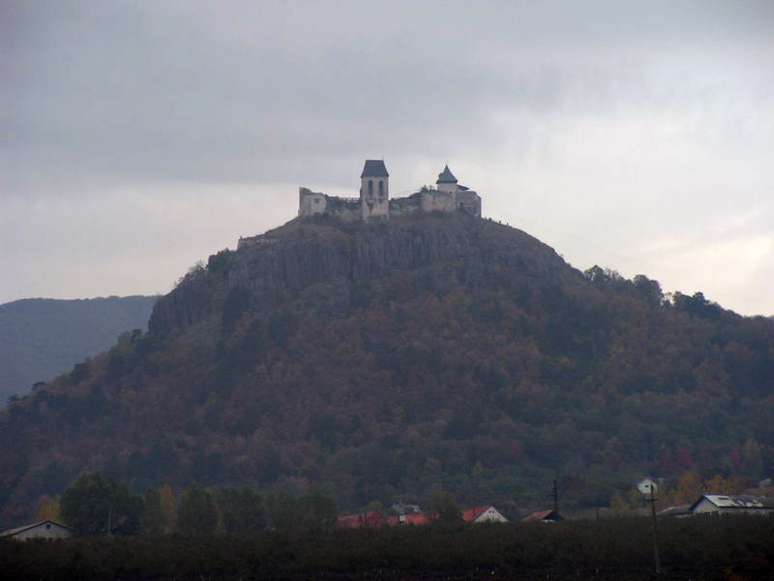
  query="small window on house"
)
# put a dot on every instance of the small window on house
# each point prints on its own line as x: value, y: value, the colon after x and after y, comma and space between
x: 381, y: 187
x: 370, y: 187
x: 48, y: 526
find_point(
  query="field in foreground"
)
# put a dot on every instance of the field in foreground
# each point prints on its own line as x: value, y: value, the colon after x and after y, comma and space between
x: 714, y: 548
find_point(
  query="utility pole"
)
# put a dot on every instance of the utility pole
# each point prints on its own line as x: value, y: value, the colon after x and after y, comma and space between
x: 556, y: 497
x: 656, y: 558
x: 648, y: 488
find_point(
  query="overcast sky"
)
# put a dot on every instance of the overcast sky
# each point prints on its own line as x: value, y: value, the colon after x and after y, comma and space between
x: 139, y: 137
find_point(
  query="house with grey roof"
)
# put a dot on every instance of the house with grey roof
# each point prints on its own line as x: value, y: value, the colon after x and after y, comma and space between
x: 733, y: 504
x: 46, y: 529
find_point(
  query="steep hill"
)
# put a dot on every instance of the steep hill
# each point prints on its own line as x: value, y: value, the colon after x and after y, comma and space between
x: 379, y: 360
x: 41, y: 338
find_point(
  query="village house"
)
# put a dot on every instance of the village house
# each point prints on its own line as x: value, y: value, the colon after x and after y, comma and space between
x: 418, y: 519
x: 733, y: 504
x: 46, y: 529
x: 401, y: 508
x: 371, y: 519
x: 722, y: 504
x: 483, y: 514
x: 545, y: 516
x: 677, y: 511
x: 374, y: 519
x: 475, y: 515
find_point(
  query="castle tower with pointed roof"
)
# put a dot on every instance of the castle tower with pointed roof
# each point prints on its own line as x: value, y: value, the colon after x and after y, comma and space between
x: 446, y: 181
x: 375, y: 190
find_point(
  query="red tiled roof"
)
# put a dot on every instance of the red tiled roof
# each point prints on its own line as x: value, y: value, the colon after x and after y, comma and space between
x: 540, y: 515
x: 471, y: 514
x: 348, y: 521
x: 419, y: 519
x: 356, y: 521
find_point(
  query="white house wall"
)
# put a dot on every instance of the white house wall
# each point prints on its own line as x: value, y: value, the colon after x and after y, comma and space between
x: 43, y: 531
x: 706, y: 507
x: 491, y: 515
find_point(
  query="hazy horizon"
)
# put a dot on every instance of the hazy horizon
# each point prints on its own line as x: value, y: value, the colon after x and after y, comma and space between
x: 139, y: 138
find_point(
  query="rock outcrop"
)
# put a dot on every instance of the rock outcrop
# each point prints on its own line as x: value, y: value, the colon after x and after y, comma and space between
x: 308, y: 251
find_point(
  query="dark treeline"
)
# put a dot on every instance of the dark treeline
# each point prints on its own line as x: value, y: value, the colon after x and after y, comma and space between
x: 97, y: 505
x: 700, y: 548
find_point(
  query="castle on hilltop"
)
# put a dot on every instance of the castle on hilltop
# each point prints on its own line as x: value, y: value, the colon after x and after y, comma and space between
x: 374, y: 201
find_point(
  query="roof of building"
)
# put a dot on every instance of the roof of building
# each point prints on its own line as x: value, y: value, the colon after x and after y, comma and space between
x: 543, y: 515
x: 356, y: 521
x: 737, y: 501
x: 17, y: 530
x: 420, y: 519
x: 446, y: 176
x: 405, y: 508
x: 678, y: 510
x: 374, y: 168
x: 471, y: 514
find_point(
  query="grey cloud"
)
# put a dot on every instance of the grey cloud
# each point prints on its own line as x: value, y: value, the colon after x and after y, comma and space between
x: 247, y: 90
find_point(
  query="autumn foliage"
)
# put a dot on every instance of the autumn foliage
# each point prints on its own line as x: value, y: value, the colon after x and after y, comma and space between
x: 461, y: 355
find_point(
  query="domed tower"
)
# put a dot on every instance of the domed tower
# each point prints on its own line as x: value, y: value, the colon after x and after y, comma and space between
x: 375, y: 190
x: 446, y: 181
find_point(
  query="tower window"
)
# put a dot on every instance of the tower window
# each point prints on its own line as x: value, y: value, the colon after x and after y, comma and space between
x: 381, y: 187
x: 370, y: 187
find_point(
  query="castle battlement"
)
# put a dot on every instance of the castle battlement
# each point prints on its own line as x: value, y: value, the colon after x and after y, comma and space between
x: 375, y: 203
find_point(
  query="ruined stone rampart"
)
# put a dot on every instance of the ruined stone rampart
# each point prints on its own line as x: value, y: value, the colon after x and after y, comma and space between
x: 426, y: 200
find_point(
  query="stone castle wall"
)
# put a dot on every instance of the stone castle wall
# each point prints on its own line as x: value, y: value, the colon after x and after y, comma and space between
x: 426, y: 200
x: 437, y: 201
x: 405, y: 206
x: 469, y: 201
x: 311, y: 203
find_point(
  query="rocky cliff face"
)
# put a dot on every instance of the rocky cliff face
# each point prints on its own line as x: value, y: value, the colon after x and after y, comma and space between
x: 305, y: 252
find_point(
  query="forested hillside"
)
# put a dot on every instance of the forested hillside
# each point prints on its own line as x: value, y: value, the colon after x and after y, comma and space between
x: 41, y: 338
x: 383, y: 360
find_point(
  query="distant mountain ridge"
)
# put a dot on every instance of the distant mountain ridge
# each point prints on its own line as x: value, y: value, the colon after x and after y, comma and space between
x: 42, y: 338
